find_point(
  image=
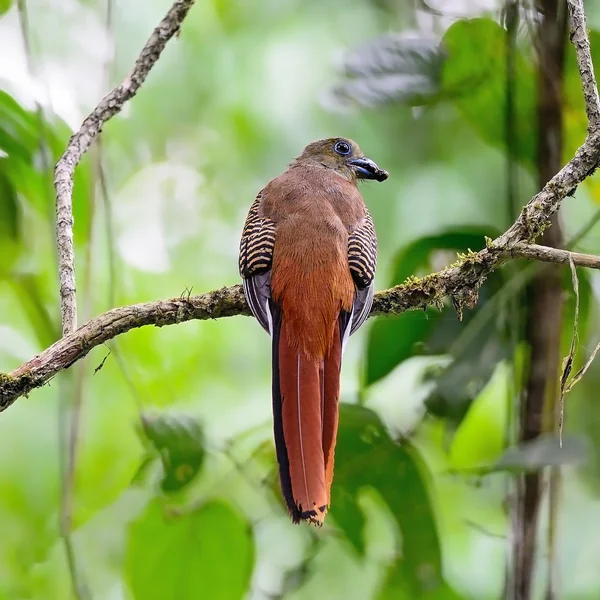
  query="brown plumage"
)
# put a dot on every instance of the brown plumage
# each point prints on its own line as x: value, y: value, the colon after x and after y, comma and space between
x: 307, y: 258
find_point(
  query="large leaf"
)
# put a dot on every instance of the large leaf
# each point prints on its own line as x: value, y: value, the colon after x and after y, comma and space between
x: 19, y: 134
x: 474, y: 76
x: 397, y: 586
x: 33, y: 147
x: 367, y: 457
x: 476, y: 346
x: 481, y: 342
x: 9, y: 223
x: 392, y: 68
x: 179, y: 441
x: 481, y: 435
x: 394, y: 339
x: 544, y: 451
x: 206, y: 554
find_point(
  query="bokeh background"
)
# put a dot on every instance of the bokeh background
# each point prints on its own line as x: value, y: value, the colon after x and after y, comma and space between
x: 173, y: 492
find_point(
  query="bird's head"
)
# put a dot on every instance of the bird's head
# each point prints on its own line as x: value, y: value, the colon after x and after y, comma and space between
x: 344, y: 157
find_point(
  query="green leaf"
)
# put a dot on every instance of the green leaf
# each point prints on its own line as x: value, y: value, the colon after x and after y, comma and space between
x: 474, y: 78
x: 534, y: 455
x: 9, y: 223
x: 395, y: 339
x: 392, y: 68
x: 29, y: 290
x: 477, y: 344
x: 33, y: 147
x: 544, y: 451
x: 5, y: 6
x: 19, y: 135
x: 480, y: 436
x: 205, y: 554
x: 367, y: 457
x: 179, y: 441
x: 141, y: 474
x: 397, y: 587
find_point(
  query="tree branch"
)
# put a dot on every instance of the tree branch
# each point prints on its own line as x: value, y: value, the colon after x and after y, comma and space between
x: 230, y: 301
x: 460, y: 281
x: 555, y: 255
x: 579, y: 38
x: 80, y: 142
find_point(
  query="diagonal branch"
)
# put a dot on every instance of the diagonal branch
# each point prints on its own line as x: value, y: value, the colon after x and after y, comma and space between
x: 460, y: 281
x: 80, y: 142
x: 580, y: 40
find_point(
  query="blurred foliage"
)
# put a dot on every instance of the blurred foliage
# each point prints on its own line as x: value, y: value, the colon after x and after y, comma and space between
x: 175, y: 492
x: 213, y: 557
x: 179, y: 442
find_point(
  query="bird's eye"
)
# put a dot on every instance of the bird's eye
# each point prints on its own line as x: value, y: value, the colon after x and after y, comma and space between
x: 342, y: 148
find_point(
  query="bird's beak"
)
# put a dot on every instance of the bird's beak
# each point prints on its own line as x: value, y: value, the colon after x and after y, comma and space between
x: 365, y: 168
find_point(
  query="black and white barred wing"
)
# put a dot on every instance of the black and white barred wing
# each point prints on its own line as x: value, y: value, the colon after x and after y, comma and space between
x: 255, y: 261
x: 362, y: 260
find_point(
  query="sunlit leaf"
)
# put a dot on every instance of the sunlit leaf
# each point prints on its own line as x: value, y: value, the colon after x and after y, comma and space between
x: 481, y: 435
x: 180, y: 444
x: 18, y: 128
x: 474, y: 78
x: 397, y: 586
x: 5, y: 6
x: 9, y: 223
x: 208, y: 553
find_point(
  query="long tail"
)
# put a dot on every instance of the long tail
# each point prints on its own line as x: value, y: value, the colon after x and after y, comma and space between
x: 305, y: 411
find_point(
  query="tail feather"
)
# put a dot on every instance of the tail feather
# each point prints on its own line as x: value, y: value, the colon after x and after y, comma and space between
x: 330, y: 399
x: 301, y: 424
x: 305, y: 410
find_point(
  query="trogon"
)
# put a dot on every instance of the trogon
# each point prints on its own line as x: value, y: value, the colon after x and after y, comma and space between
x: 307, y: 260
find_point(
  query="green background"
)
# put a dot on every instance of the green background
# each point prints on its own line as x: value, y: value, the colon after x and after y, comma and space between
x: 185, y: 503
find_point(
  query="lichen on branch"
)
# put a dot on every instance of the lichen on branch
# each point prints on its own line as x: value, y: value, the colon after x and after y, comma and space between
x: 460, y: 281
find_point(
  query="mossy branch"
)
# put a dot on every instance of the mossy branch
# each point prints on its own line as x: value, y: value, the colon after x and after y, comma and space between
x: 460, y: 282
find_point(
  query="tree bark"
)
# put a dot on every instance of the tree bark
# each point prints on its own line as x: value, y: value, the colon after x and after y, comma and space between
x: 544, y: 297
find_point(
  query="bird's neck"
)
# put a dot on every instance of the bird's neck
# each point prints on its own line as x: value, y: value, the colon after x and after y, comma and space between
x: 316, y: 163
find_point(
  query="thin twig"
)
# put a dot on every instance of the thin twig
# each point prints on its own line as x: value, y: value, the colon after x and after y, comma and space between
x: 570, y: 358
x: 555, y: 255
x: 579, y: 375
x: 79, y: 143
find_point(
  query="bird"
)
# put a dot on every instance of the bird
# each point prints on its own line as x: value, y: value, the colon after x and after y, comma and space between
x: 307, y: 260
